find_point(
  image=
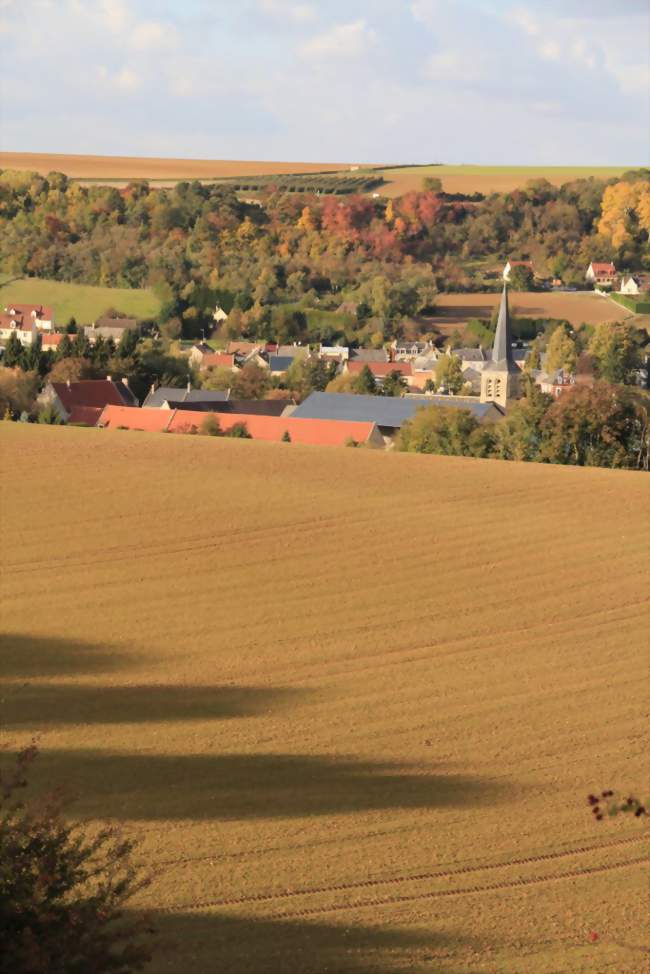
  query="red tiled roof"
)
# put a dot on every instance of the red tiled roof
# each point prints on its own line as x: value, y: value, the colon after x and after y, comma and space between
x: 243, y: 348
x: 89, y: 392
x: 521, y: 263
x: 51, y: 340
x: 133, y: 418
x: 313, y: 432
x: 600, y: 267
x: 40, y: 311
x: 85, y: 415
x: 217, y: 360
x: 17, y: 321
x: 381, y: 369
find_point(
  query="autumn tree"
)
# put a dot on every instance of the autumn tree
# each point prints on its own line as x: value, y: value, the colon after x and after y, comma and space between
x: 64, y: 889
x: 438, y: 430
x: 615, y: 350
x: 625, y: 212
x: 561, y: 352
x: 17, y: 390
x: 449, y: 374
x: 521, y: 279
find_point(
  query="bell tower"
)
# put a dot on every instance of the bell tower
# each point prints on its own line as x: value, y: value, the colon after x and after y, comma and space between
x: 501, y: 377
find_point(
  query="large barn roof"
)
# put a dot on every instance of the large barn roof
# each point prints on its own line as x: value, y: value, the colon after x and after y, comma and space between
x: 382, y: 410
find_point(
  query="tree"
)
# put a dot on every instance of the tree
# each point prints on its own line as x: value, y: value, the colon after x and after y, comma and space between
x: 210, y: 426
x: 364, y: 383
x: 625, y: 212
x: 615, y: 351
x: 65, y: 349
x: 521, y: 279
x: 63, y: 890
x: 13, y: 352
x: 561, y: 352
x: 252, y: 382
x: 449, y: 374
x: 17, y: 390
x: 286, y: 437
x: 431, y: 184
x: 238, y: 431
x: 218, y: 379
x: 603, y: 426
x: 394, y: 384
x: 48, y: 416
x: 438, y: 430
x: 71, y: 370
x: 127, y: 343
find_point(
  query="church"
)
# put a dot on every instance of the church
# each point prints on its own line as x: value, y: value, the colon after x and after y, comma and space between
x: 501, y: 376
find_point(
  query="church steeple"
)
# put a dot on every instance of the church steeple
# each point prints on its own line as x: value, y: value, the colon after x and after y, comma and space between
x: 500, y: 378
x: 502, y: 348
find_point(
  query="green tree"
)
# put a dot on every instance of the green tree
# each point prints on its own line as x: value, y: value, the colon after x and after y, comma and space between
x: 210, y: 426
x: 616, y: 352
x: 449, y: 374
x: 63, y: 890
x: 286, y: 437
x: 394, y: 384
x: 521, y: 279
x: 432, y: 184
x: 48, y: 416
x: 561, y: 352
x: 519, y: 436
x: 438, y: 430
x: 65, y: 348
x: 13, y: 352
x: 364, y: 383
x: 238, y: 431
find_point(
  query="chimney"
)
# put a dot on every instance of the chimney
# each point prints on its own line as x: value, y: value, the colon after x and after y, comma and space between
x: 125, y: 382
x: 109, y: 378
x: 67, y: 382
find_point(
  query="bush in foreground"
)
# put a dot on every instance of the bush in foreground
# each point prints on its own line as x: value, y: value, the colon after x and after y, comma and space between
x: 63, y: 890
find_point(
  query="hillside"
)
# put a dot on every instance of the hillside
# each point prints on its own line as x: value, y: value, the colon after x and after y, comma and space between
x: 81, y: 301
x: 352, y: 702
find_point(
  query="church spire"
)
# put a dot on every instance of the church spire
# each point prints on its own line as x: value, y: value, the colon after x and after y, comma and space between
x: 502, y: 348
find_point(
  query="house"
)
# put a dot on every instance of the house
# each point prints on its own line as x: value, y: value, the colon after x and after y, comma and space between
x: 471, y: 358
x: 380, y: 370
x: 339, y: 353
x: 42, y: 316
x: 279, y: 364
x: 511, y: 264
x: 386, y: 412
x: 634, y: 284
x: 555, y: 384
x: 67, y: 398
x: 219, y: 315
x: 405, y: 351
x: 132, y: 418
x: 217, y: 360
x: 273, y: 428
x: 600, y: 272
x: 110, y: 328
x: 23, y: 328
x: 245, y: 407
x: 472, y: 376
x: 51, y: 341
x: 501, y: 376
x: 244, y: 349
x: 369, y: 355
x: 159, y: 395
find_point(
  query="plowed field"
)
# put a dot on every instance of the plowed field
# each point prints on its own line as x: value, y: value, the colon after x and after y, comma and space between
x: 352, y: 702
x: 577, y: 307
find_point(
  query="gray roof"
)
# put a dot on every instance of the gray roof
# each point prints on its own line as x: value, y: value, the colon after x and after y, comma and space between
x: 280, y: 363
x: 368, y: 355
x: 470, y: 354
x: 382, y: 410
x: 164, y: 394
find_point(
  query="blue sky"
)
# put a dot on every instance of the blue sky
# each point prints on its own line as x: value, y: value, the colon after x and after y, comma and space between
x: 532, y: 82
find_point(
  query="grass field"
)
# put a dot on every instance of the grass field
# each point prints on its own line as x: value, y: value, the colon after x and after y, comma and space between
x: 487, y: 179
x: 577, y: 307
x: 80, y: 301
x: 352, y: 702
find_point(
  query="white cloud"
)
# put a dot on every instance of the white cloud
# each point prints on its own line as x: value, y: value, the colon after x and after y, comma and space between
x: 344, y: 40
x: 300, y: 13
x: 151, y: 34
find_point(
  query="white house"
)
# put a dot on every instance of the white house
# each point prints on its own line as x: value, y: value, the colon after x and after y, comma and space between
x: 339, y: 353
x: 42, y: 317
x: 634, y: 284
x: 600, y: 272
x: 23, y: 328
x: 511, y: 264
x: 219, y: 314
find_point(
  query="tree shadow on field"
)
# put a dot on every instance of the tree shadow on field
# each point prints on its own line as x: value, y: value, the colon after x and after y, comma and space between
x: 38, y: 656
x: 34, y: 705
x: 206, y: 944
x: 29, y: 705
x: 248, y: 786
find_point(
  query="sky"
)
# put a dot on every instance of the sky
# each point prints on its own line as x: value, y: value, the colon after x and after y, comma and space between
x: 539, y: 82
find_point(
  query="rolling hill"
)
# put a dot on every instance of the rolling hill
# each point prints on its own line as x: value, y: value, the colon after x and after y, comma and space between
x: 351, y: 702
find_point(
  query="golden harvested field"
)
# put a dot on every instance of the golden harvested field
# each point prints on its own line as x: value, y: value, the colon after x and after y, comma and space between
x: 352, y: 701
x: 130, y: 167
x: 488, y: 179
x: 577, y: 307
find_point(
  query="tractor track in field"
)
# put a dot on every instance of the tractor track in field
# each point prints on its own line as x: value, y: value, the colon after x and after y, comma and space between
x: 418, y: 878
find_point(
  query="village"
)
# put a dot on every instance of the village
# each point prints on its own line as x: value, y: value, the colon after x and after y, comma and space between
x: 377, y: 391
